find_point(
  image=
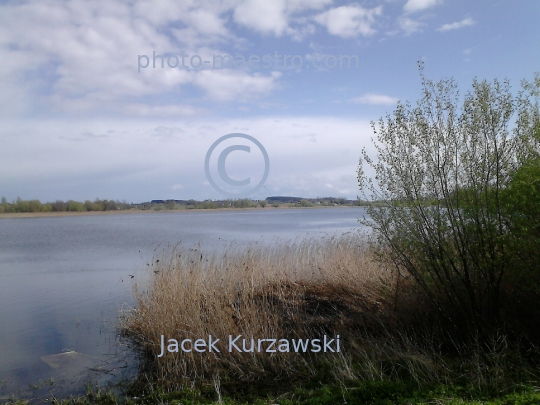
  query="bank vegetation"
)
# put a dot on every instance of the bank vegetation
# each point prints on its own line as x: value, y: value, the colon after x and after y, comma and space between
x: 444, y: 292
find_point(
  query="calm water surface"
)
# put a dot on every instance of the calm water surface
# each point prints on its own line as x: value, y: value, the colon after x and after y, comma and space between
x: 64, y: 279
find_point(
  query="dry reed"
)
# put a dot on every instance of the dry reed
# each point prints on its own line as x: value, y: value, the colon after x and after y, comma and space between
x: 291, y: 290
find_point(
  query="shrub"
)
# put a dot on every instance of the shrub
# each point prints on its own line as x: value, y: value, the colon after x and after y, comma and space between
x: 243, y: 203
x: 75, y: 206
x: 208, y: 205
x: 46, y: 207
x: 441, y: 173
x: 59, y: 206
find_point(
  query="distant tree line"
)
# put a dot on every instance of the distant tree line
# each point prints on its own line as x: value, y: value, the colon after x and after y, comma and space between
x: 20, y: 206
x: 248, y: 203
x: 326, y: 201
x: 195, y: 204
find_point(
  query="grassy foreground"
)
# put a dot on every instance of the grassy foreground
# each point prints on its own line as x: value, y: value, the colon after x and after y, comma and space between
x: 393, y: 347
x: 394, y: 350
x: 377, y: 393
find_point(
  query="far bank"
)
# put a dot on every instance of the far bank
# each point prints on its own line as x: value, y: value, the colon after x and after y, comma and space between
x: 147, y: 211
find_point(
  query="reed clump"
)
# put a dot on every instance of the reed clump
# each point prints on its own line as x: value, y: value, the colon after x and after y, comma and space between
x: 298, y: 290
x: 292, y: 290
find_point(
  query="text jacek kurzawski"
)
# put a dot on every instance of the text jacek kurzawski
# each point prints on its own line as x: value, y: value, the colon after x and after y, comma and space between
x: 242, y: 345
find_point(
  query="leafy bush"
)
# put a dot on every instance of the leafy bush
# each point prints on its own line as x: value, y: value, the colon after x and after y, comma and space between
x: 450, y: 179
x: 75, y: 206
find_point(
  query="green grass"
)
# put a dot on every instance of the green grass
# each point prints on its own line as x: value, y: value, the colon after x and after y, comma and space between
x: 354, y: 392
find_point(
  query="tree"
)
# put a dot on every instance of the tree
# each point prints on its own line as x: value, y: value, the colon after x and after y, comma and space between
x: 59, y: 206
x: 34, y: 206
x: 522, y: 212
x: 75, y: 206
x: 442, y: 170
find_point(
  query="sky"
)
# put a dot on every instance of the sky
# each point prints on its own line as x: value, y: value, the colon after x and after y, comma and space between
x: 123, y: 99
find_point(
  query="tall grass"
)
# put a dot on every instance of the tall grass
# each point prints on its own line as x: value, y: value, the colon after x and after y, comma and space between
x: 286, y: 291
x: 333, y: 286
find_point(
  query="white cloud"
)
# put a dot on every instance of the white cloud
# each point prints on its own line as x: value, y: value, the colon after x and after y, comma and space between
x: 55, y: 161
x: 274, y: 16
x: 207, y: 23
x: 227, y: 84
x: 145, y: 110
x: 349, y: 21
x: 466, y: 22
x: 410, y: 26
x: 267, y: 17
x: 167, y: 132
x: 413, y: 6
x: 82, y: 53
x: 371, y: 98
x: 78, y: 57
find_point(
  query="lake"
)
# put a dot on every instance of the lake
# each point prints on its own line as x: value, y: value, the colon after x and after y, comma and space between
x: 63, y: 280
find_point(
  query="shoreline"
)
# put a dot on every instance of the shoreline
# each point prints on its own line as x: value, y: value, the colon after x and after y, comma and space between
x: 12, y: 215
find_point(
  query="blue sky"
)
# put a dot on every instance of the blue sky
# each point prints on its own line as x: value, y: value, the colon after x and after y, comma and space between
x: 81, y: 120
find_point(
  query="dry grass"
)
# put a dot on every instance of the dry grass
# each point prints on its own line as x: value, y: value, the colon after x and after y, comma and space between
x: 291, y: 290
x: 287, y: 291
